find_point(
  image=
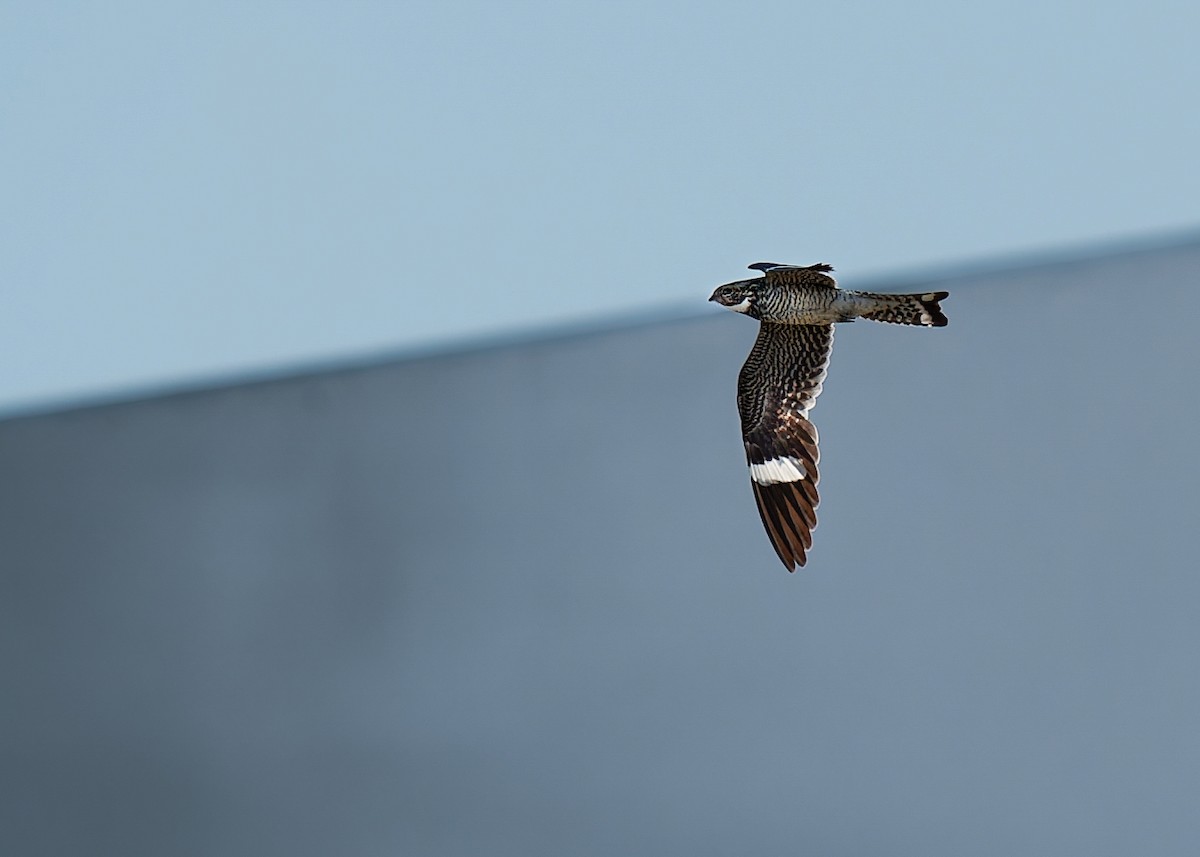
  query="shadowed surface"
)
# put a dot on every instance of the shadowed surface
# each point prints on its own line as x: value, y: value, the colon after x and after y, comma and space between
x: 518, y: 601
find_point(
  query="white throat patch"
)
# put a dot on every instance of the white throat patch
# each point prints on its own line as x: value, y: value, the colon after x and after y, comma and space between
x: 742, y: 307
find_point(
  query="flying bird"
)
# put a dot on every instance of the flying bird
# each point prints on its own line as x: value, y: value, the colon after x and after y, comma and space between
x: 796, y: 308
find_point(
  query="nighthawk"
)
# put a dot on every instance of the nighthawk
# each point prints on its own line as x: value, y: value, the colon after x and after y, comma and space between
x: 797, y: 308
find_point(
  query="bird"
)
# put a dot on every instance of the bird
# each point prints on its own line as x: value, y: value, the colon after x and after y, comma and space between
x: 796, y: 307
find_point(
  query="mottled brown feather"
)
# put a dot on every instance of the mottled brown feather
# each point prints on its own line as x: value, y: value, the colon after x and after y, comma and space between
x: 778, y: 385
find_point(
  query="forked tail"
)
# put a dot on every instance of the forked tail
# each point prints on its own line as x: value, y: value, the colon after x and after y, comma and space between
x: 923, y: 309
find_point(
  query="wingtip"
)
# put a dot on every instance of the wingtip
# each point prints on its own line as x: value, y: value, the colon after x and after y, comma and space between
x: 788, y: 520
x: 820, y: 267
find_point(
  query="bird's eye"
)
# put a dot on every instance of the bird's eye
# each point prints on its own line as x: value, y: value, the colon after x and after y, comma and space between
x: 728, y: 293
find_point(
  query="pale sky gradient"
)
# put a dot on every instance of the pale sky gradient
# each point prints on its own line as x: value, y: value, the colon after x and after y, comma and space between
x: 202, y: 191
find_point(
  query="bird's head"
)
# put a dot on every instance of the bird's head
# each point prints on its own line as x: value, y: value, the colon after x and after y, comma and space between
x: 739, y: 296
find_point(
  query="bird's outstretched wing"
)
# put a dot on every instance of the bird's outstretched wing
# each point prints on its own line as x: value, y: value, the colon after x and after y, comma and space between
x: 796, y: 275
x: 777, y: 387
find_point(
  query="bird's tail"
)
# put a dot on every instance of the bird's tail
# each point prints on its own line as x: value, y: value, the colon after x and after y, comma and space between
x: 923, y: 309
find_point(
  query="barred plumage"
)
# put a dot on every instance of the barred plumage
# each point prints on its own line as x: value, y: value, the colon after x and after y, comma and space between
x: 907, y: 309
x: 782, y: 378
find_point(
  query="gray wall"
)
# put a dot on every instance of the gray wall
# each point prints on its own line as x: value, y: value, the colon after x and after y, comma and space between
x: 518, y: 601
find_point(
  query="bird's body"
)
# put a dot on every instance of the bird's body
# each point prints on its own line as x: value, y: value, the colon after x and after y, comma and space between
x: 782, y: 378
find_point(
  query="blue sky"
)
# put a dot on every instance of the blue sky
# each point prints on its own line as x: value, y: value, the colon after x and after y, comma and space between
x: 201, y: 191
